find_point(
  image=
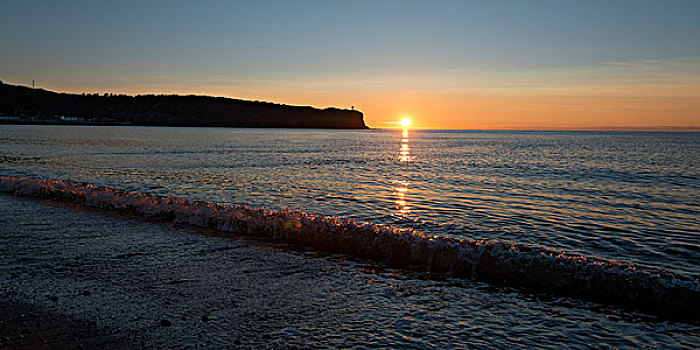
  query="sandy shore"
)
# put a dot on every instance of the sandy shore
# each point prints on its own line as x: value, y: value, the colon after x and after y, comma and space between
x: 107, y: 281
x: 25, y: 326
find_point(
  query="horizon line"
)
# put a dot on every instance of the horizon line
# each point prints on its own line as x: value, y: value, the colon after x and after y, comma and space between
x: 675, y: 129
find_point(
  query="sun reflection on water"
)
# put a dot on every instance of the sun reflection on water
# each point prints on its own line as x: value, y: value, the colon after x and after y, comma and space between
x: 404, y: 152
x: 401, y: 189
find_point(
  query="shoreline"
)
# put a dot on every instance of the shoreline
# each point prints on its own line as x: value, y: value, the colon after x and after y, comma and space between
x: 657, y: 292
x: 6, y: 122
x: 125, y: 281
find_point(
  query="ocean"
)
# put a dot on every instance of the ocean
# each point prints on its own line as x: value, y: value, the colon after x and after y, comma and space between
x: 631, y: 198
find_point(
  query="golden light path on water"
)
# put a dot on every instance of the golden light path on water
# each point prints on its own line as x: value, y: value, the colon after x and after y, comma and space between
x: 401, y: 190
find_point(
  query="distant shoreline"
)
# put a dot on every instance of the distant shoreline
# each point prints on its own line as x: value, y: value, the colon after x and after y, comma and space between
x: 25, y: 105
x: 59, y: 123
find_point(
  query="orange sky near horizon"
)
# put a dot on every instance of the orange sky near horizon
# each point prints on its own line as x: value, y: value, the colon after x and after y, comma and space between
x: 595, y: 108
x: 639, y: 94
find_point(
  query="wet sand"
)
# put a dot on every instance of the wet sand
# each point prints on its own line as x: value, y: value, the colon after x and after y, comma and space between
x: 109, y: 281
x: 27, y: 327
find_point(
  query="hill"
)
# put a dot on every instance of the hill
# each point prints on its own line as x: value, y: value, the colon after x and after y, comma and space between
x: 38, y: 105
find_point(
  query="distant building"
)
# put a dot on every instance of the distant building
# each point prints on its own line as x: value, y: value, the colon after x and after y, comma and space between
x: 69, y: 119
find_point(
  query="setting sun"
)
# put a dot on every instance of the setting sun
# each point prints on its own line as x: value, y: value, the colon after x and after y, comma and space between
x: 405, y: 122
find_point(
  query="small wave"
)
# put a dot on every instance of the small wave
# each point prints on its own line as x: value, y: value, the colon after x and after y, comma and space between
x: 653, y: 291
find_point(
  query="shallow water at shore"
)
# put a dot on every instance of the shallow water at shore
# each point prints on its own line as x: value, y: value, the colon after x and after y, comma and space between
x: 217, y: 291
x: 660, y: 293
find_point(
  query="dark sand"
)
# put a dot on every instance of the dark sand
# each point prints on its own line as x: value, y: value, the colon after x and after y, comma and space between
x: 27, y: 327
x: 89, y: 278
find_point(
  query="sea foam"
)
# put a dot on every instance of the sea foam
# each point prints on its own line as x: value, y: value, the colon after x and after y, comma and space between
x: 654, y: 291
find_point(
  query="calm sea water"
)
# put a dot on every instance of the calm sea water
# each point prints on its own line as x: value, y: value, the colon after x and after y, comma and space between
x: 631, y: 197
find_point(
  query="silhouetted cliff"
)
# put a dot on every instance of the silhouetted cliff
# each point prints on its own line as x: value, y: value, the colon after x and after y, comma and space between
x: 171, y: 110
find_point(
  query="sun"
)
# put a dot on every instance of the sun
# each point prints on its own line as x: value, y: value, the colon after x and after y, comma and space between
x: 405, y: 122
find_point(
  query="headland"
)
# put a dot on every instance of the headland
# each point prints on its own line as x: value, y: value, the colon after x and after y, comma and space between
x: 25, y: 105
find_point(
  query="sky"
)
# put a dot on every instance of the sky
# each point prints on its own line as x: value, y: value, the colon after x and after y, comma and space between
x: 444, y: 64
